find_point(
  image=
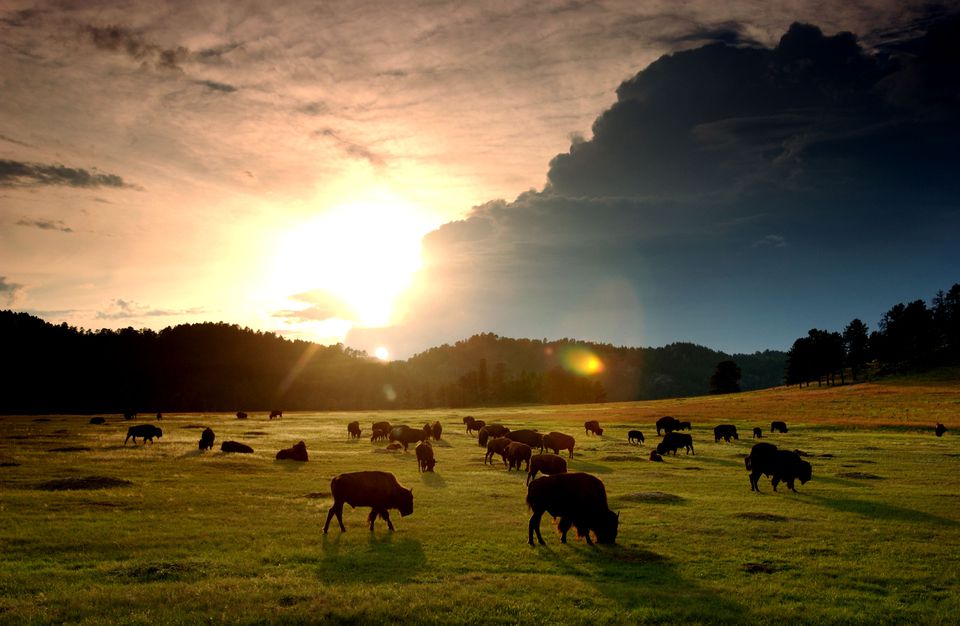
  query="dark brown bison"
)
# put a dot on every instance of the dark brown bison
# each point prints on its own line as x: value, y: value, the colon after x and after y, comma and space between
x: 592, y: 427
x: 468, y: 422
x: 384, y: 426
x: 475, y: 426
x: 406, y: 435
x: 518, y: 453
x: 579, y: 500
x: 635, y: 435
x: 667, y: 424
x: 159, y: 415
x: 940, y: 430
x: 490, y: 430
x: 549, y: 464
x: 725, y: 432
x: 296, y: 453
x: 98, y: 420
x: 497, y: 445
x: 206, y: 439
x: 654, y: 456
x: 781, y: 465
x: 757, y: 432
x: 559, y: 441
x: 683, y: 426
x: 394, y: 446
x: 276, y: 414
x: 673, y: 442
x: 530, y: 437
x: 378, y: 490
x: 353, y: 429
x: 145, y: 431
x: 241, y: 415
x: 379, y: 435
x: 778, y: 426
x: 436, y: 430
x: 236, y: 446
x: 425, y: 458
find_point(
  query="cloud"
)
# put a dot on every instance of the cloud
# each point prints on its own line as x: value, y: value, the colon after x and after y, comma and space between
x: 21, y: 174
x: 129, y: 309
x: 770, y: 241
x: 215, y: 86
x: 132, y: 44
x: 46, y: 225
x: 323, y: 305
x: 10, y: 293
x: 352, y: 149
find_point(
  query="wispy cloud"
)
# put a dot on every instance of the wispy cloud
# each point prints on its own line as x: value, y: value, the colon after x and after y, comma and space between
x: 129, y: 309
x: 21, y: 174
x: 135, y: 46
x: 10, y: 293
x: 215, y: 86
x: 351, y: 148
x: 46, y: 225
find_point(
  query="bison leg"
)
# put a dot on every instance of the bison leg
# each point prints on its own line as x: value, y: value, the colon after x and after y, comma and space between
x: 754, y: 477
x: 789, y: 482
x: 531, y: 475
x: 336, y: 509
x: 775, y: 481
x: 563, y: 527
x: 535, y: 526
x: 385, y: 516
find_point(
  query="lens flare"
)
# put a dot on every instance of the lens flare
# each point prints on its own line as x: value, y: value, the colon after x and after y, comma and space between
x: 580, y: 360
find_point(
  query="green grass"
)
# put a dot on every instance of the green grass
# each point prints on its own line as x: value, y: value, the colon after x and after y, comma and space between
x: 874, y: 537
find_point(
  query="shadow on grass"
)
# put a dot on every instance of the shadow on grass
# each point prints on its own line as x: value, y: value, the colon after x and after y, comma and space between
x: 385, y: 559
x: 432, y: 479
x: 579, y: 465
x: 881, y: 511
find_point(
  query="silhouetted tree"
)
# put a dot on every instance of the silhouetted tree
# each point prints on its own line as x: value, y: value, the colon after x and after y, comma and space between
x: 726, y: 378
x: 856, y: 344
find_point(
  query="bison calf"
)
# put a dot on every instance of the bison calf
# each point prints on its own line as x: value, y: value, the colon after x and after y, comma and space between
x: 579, y: 500
x: 296, y: 453
x: 635, y: 436
x: 940, y: 430
x: 98, y: 420
x: 353, y: 429
x: 592, y: 426
x: 549, y: 464
x: 654, y: 456
x: 425, y: 458
x: 757, y: 433
x: 235, y: 446
x: 206, y: 439
x: 378, y: 490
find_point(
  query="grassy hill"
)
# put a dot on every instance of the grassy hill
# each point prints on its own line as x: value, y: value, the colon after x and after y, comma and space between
x: 194, y: 536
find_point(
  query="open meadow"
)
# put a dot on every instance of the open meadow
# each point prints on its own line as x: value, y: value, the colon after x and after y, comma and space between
x: 193, y: 536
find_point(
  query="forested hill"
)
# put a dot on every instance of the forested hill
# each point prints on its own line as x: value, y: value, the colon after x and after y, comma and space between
x: 222, y: 367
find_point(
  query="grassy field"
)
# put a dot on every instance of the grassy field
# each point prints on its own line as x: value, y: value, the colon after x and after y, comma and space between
x: 874, y: 537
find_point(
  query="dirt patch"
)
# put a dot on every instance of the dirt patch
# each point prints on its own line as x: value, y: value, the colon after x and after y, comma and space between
x: 316, y: 495
x: 693, y: 468
x: 655, y: 497
x: 193, y: 426
x: 155, y: 572
x: 759, y: 568
x: 620, y: 457
x: 87, y: 482
x: 70, y: 449
x: 859, y: 476
x: 826, y: 456
x: 765, y: 517
x: 255, y: 433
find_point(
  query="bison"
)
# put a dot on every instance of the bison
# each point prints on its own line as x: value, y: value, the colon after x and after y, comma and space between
x: 159, y: 415
x: 592, y: 426
x: 475, y: 426
x: 579, y: 500
x: 673, y: 442
x: 379, y: 435
x: 378, y: 490
x: 940, y: 430
x: 241, y: 415
x: 394, y: 446
x: 549, y: 464
x: 145, y: 431
x: 406, y: 435
x: 654, y: 456
x: 518, y: 453
x: 425, y: 458
x: 98, y: 420
x: 782, y: 465
x: 683, y: 426
x: 276, y: 413
x: 559, y: 441
x: 725, y: 432
x: 667, y: 424
x: 353, y: 429
x: 778, y: 426
x: 296, y: 453
x: 635, y: 435
x: 497, y: 445
x: 757, y: 432
x: 235, y: 446
x: 381, y: 426
x: 206, y: 439
x: 129, y: 415
x: 468, y: 422
x: 490, y: 430
x: 436, y: 430
x: 530, y: 437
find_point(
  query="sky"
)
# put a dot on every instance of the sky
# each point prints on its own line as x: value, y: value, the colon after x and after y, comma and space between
x: 398, y: 175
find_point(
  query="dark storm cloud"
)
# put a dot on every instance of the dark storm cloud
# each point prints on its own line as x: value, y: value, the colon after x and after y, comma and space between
x: 58, y: 225
x: 729, y: 195
x: 729, y: 32
x: 133, y: 44
x: 9, y: 292
x: 21, y: 174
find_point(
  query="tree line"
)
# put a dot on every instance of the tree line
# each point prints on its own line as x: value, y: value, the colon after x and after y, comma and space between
x: 910, y: 337
x: 56, y: 368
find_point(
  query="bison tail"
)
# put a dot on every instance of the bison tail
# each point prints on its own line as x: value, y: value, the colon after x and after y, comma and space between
x: 748, y: 462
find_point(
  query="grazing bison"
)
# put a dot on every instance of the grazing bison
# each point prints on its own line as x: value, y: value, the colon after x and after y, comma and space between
x: 425, y: 458
x: 725, y: 432
x: 940, y: 430
x: 655, y: 457
x: 129, y: 415
x: 145, y: 431
x: 353, y: 429
x: 782, y: 465
x: 468, y: 422
x: 549, y: 464
x: 276, y: 413
x: 98, y: 420
x: 757, y: 432
x: 490, y: 430
x: 379, y: 435
x: 530, y: 437
x: 381, y: 426
x: 683, y: 426
x: 559, y: 441
x: 378, y: 490
x: 667, y: 424
x: 579, y: 500
x: 497, y: 445
x: 406, y: 435
x: 206, y: 439
x: 241, y: 415
x: 159, y: 415
x: 235, y: 446
x: 673, y: 442
x: 297, y: 453
x: 592, y: 427
x: 635, y: 436
x: 778, y: 426
x: 518, y: 453
x: 436, y: 430
x: 760, y: 457
x: 475, y: 426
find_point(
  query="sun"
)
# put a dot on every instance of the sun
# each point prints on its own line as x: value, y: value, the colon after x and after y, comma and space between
x: 382, y: 353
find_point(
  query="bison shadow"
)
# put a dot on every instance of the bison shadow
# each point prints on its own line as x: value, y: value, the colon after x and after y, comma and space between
x: 432, y: 479
x: 288, y: 465
x: 881, y: 511
x: 579, y: 465
x: 385, y: 558
x: 191, y: 454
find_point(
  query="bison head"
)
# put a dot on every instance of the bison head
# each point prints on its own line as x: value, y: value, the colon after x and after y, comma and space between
x: 606, y: 527
x: 805, y: 472
x: 662, y: 448
x: 405, y: 505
